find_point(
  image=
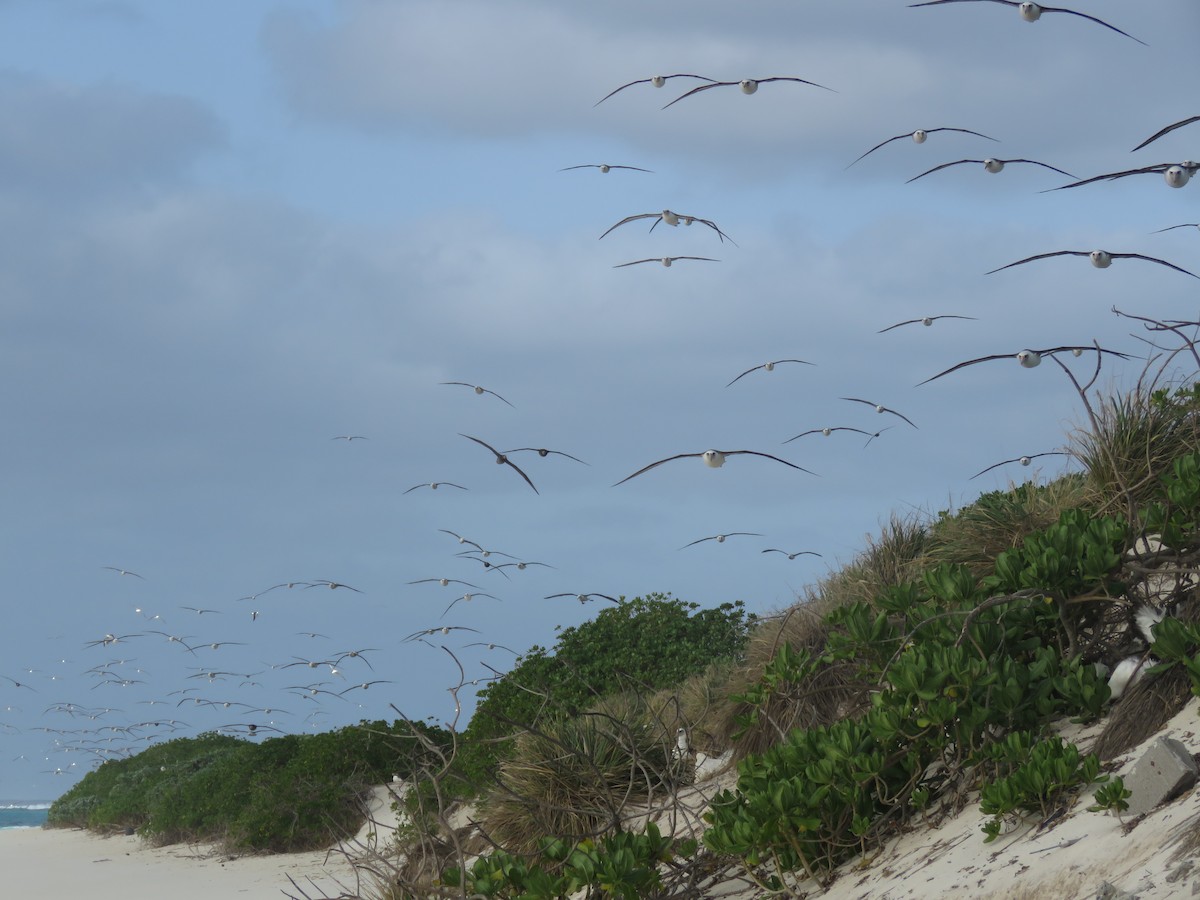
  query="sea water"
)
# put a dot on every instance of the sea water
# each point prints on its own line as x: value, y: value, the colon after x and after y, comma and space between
x: 22, y: 815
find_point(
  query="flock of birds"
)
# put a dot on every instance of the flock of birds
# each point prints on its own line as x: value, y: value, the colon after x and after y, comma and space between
x: 250, y: 696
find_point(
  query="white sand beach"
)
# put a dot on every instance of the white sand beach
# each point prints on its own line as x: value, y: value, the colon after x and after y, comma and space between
x: 64, y: 863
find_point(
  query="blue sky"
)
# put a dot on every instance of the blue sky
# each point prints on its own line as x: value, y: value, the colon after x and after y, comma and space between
x: 234, y: 231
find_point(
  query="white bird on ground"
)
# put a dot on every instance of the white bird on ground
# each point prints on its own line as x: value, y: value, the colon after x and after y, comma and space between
x: 1128, y: 671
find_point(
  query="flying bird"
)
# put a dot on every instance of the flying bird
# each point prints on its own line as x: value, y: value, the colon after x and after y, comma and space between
x: 793, y: 555
x: 673, y: 219
x: 501, y: 460
x: 480, y: 390
x: 924, y: 320
x: 543, y: 452
x: 1031, y: 12
x: 667, y: 261
x: 445, y: 629
x: 1176, y: 175
x: 468, y: 598
x: 434, y: 485
x: 332, y: 585
x: 1154, y: 137
x: 919, y: 137
x: 1029, y: 359
x: 350, y: 437
x: 714, y: 459
x: 720, y: 538
x: 605, y: 168
x: 459, y: 538
x: 828, y: 431
x: 122, y: 571
x: 584, y: 598
x: 1101, y: 259
x: 748, y: 86
x: 989, y: 165
x: 1023, y: 460
x: 769, y: 367
x: 444, y: 582
x: 656, y: 80
x: 880, y: 408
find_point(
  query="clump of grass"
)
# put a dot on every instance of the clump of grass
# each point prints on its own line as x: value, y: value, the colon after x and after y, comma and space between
x: 573, y: 778
x: 1001, y: 520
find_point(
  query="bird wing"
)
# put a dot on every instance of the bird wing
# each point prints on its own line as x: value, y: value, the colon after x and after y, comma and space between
x: 494, y: 394
x: 1161, y: 262
x: 1034, y: 162
x: 767, y: 456
x: 957, y: 162
x: 655, y: 465
x: 1020, y: 262
x: 1094, y: 19
x: 969, y: 362
x: 628, y: 219
x: 744, y: 374
x: 637, y: 261
x: 1154, y: 137
x: 703, y: 87
x: 876, y: 147
x: 1110, y: 176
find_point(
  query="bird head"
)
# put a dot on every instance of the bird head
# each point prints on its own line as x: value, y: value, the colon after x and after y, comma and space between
x: 658, y: 80
x: 1030, y: 12
x: 1100, y: 259
x: 919, y: 136
x: 714, y: 459
x: 1177, y: 176
x: 993, y: 165
x: 748, y: 86
x: 1029, y: 359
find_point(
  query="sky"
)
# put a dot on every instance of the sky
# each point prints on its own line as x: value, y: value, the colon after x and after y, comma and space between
x: 235, y: 232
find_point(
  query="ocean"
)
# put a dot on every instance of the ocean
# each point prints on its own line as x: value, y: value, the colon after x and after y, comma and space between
x: 23, y: 815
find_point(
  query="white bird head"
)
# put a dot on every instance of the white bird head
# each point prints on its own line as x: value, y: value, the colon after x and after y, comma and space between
x: 770, y: 367
x: 928, y: 320
x: 714, y: 459
x: 658, y: 80
x: 1030, y: 12
x: 1025, y: 460
x: 604, y: 168
x: 993, y: 165
x: 478, y: 389
x: 669, y: 217
x: 827, y: 431
x: 748, y: 86
x: 720, y: 538
x: 1177, y: 176
x: 1029, y: 359
x: 1077, y: 351
x: 666, y: 261
x: 1100, y: 259
x: 919, y: 136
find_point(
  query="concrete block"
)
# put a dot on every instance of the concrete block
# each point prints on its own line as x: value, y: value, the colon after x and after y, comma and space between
x: 1163, y: 772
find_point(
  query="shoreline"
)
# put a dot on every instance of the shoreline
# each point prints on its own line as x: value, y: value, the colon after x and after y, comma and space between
x: 54, y: 862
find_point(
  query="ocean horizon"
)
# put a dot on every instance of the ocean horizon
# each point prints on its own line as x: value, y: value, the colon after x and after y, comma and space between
x: 19, y: 814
